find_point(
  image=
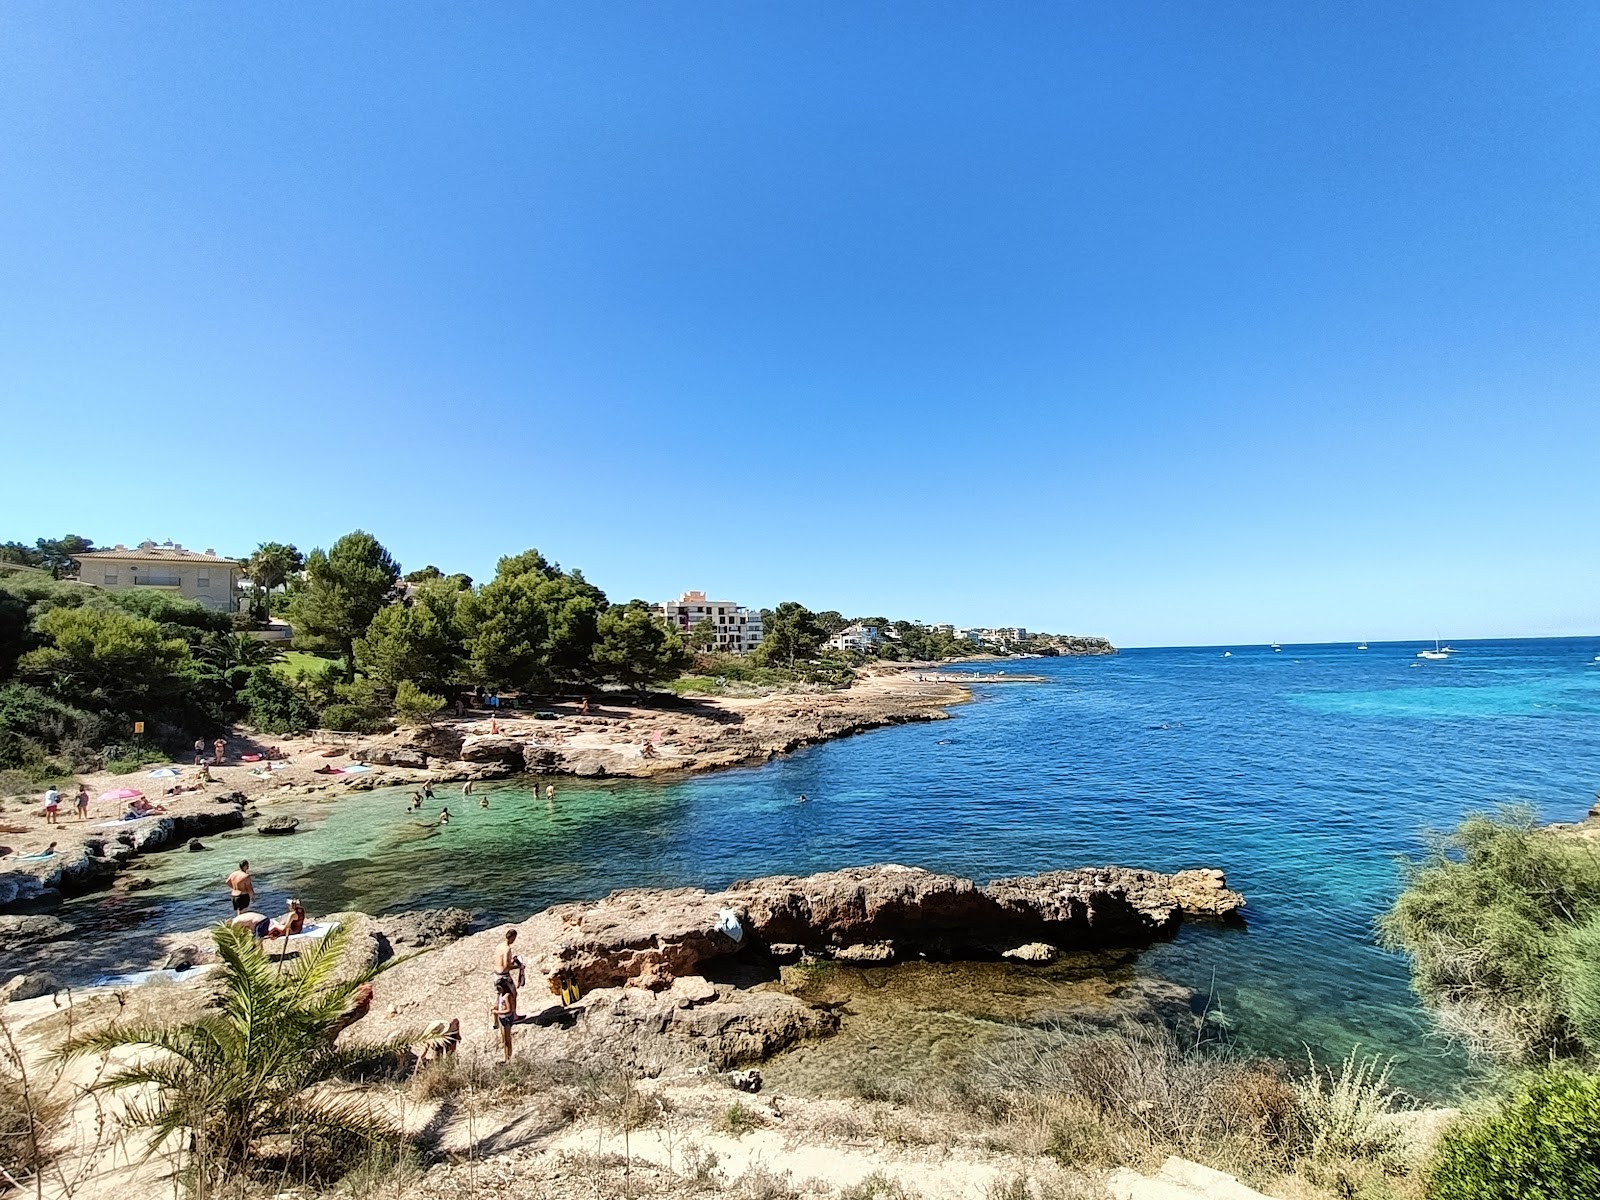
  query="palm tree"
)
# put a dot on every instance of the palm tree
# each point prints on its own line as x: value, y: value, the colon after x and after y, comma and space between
x: 252, y: 1079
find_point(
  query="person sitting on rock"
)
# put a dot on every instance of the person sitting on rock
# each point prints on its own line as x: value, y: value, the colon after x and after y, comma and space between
x: 293, y: 921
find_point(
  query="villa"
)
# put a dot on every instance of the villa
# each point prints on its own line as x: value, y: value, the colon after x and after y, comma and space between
x: 205, y: 578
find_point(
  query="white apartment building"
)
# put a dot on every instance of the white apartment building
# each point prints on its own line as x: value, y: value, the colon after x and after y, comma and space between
x: 864, y: 638
x: 738, y: 628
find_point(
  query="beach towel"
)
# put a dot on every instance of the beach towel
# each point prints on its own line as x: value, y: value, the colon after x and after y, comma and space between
x: 168, y: 974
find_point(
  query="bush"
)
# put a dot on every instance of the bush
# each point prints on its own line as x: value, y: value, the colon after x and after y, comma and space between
x: 413, y: 705
x: 1543, y: 1144
x: 353, y: 718
x: 1348, y: 1116
x: 1491, y: 918
x: 274, y: 704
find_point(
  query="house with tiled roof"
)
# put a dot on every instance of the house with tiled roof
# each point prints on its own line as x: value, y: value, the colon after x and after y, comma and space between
x: 204, y: 577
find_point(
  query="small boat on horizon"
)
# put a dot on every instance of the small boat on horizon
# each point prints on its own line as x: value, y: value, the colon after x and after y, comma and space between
x: 1277, y: 649
x: 1363, y: 646
x: 1229, y: 654
x: 1436, y: 654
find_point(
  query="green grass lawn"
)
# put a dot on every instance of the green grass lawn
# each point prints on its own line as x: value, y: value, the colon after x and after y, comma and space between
x: 299, y: 663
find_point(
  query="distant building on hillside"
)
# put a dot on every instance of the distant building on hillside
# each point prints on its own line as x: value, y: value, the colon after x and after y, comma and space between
x: 738, y: 629
x: 207, y: 578
x: 863, y: 638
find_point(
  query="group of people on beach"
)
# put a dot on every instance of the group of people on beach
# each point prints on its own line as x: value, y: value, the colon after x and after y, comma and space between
x: 52, y: 804
x: 242, y: 897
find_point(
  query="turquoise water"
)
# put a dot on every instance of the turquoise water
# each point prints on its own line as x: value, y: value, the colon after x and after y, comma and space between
x: 1302, y: 774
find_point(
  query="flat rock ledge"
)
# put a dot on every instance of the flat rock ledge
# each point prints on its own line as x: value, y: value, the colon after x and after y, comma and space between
x: 652, y: 964
x: 879, y: 914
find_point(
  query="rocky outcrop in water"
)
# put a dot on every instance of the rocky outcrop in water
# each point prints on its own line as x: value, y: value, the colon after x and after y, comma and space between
x: 653, y: 966
x: 877, y: 914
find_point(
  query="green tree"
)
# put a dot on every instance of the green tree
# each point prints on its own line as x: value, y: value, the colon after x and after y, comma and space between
x: 636, y: 648
x: 831, y: 622
x: 703, y: 636
x: 274, y: 704
x: 422, y: 575
x: 1497, y: 918
x: 532, y: 625
x: 413, y: 706
x: 105, y: 658
x: 250, y: 1080
x: 790, y: 634
x: 344, y: 590
x: 271, y: 567
x: 59, y: 555
x: 418, y: 639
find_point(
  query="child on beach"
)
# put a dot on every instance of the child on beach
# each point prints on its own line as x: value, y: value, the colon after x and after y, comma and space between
x: 504, y: 1012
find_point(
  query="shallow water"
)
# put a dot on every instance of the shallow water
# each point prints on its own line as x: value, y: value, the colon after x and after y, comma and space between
x: 1303, y: 774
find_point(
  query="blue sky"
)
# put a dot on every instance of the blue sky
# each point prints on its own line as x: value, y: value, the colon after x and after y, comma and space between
x: 1175, y: 323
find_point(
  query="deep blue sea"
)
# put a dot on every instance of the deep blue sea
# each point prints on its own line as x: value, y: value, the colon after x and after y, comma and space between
x: 1303, y: 774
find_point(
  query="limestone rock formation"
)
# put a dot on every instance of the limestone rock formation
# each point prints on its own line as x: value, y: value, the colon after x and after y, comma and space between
x: 877, y: 914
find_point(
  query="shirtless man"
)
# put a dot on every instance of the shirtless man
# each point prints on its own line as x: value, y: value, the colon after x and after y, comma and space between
x: 240, y: 883
x: 506, y: 962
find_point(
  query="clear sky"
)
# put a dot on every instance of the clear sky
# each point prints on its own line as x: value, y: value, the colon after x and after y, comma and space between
x: 1177, y: 323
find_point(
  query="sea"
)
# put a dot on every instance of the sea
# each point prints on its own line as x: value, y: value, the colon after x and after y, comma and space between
x: 1309, y: 775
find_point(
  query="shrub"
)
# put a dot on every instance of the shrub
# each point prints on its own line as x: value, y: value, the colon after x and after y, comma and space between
x: 413, y: 706
x: 1543, y: 1144
x: 1348, y: 1116
x: 274, y: 704
x: 1489, y: 917
x: 353, y: 718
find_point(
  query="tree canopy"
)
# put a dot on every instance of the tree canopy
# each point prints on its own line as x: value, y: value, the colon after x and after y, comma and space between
x: 636, y: 648
x: 345, y: 588
x: 791, y: 632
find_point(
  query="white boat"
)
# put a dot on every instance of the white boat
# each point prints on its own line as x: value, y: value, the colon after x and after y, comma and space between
x: 1277, y: 649
x: 1363, y: 646
x: 1434, y: 655
x: 1229, y: 654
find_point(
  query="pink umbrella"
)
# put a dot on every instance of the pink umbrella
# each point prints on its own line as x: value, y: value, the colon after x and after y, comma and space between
x: 121, y: 794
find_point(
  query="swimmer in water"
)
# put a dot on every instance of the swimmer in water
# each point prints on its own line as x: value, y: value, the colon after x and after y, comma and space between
x: 802, y: 797
x: 444, y: 816
x: 484, y: 803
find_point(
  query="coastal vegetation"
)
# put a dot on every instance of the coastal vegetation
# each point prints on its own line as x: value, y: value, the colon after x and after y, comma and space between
x: 246, y: 1086
x: 90, y: 677
x: 1501, y: 920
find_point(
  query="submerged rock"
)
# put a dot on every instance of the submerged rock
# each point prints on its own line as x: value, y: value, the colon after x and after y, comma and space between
x: 278, y: 826
x: 17, y: 932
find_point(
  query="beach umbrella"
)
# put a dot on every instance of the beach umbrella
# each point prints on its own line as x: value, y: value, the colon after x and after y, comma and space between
x: 165, y: 773
x: 121, y: 794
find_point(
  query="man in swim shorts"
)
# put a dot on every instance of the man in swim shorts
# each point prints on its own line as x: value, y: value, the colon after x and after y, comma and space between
x: 244, y: 918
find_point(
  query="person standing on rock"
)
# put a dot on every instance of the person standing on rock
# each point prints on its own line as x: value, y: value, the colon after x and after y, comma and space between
x: 241, y: 884
x: 506, y: 962
x: 504, y: 1012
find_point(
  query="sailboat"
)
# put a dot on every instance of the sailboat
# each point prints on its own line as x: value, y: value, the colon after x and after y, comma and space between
x: 1363, y: 646
x: 1436, y: 654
